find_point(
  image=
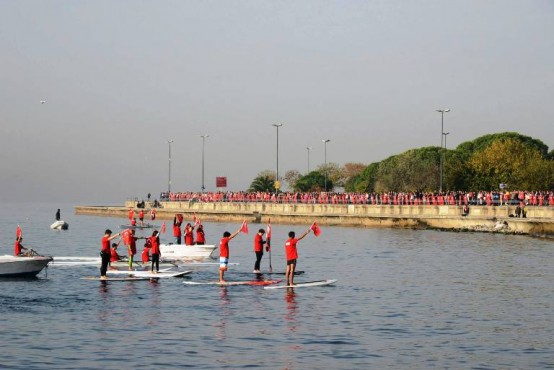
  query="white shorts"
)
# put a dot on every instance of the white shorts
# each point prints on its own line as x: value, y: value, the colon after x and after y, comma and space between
x: 223, y: 261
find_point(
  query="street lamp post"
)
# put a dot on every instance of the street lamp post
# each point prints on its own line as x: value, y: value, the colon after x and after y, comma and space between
x: 442, y: 112
x: 325, y: 141
x: 203, y: 142
x: 277, y: 125
x: 169, y: 179
x: 309, y: 148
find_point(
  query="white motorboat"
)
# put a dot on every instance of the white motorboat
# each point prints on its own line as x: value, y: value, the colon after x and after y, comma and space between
x: 59, y: 225
x: 21, y: 266
x: 172, y: 252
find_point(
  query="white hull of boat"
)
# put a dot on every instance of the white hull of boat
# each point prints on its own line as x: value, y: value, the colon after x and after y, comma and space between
x: 59, y: 225
x: 171, y: 252
x: 12, y: 266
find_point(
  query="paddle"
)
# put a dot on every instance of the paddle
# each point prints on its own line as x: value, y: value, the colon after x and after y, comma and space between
x: 269, y: 243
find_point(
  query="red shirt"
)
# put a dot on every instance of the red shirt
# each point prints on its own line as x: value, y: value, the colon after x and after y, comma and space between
x: 17, y: 248
x: 155, y: 242
x: 224, y: 247
x: 146, y: 255
x: 258, y: 243
x: 114, y: 257
x: 133, y: 245
x: 105, y: 244
x: 290, y: 249
x: 189, y: 238
x: 200, y: 238
x: 141, y: 215
x: 177, y: 230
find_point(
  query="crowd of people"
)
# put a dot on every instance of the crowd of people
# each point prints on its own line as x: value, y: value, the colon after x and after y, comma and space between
x: 490, y: 198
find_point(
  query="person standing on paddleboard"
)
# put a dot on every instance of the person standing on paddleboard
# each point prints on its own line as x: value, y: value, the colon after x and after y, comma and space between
x: 105, y: 252
x: 259, y: 249
x: 155, y: 245
x: 132, y: 247
x: 292, y: 255
x: 224, y: 253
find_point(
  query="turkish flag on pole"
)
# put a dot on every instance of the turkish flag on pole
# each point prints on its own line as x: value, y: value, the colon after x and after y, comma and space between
x: 18, y: 232
x: 163, y: 228
x: 244, y: 227
x: 316, y: 229
x: 268, y: 229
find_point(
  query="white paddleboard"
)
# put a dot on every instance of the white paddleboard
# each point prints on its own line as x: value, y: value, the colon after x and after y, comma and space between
x: 303, y: 285
x: 230, y: 283
x: 127, y: 278
x: 135, y: 272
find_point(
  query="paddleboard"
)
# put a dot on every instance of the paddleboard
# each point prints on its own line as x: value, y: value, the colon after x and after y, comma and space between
x: 128, y: 278
x: 160, y: 275
x: 134, y: 272
x: 277, y: 273
x: 304, y: 285
x: 145, y: 226
x: 231, y: 283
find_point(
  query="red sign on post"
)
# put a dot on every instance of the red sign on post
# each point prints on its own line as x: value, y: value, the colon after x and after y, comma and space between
x: 221, y: 182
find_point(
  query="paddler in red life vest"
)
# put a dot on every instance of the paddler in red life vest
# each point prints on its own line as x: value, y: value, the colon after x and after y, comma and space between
x: 200, y: 237
x: 153, y: 214
x: 259, y: 249
x: 155, y: 243
x: 134, y: 222
x: 105, y: 252
x: 177, y: 229
x: 18, y: 248
x: 224, y: 253
x: 114, y: 257
x: 189, y: 236
x: 141, y: 217
x: 132, y: 248
x: 146, y: 252
x: 292, y: 255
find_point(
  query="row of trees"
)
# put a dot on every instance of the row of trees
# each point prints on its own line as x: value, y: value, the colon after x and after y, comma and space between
x: 519, y: 161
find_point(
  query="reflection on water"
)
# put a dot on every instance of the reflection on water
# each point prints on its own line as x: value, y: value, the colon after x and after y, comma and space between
x: 292, y: 308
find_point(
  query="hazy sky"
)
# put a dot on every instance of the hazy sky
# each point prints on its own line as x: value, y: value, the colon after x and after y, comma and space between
x: 120, y: 78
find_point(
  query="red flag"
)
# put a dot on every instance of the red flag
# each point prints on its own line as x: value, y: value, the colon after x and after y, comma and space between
x: 131, y: 214
x: 163, y: 228
x: 316, y: 229
x: 244, y: 227
x: 126, y: 237
x: 18, y: 232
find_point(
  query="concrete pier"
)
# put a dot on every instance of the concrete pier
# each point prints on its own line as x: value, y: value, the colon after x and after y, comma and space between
x: 539, y: 221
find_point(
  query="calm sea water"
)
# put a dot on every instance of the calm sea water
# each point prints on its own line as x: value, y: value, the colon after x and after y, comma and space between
x: 404, y: 300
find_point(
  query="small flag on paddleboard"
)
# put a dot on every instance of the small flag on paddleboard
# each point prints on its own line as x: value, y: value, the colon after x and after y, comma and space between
x: 163, y: 228
x: 316, y: 229
x: 244, y: 227
x: 268, y: 237
x: 18, y: 232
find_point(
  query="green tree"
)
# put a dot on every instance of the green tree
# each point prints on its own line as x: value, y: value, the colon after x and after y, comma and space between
x: 313, y: 181
x: 291, y: 176
x: 265, y: 181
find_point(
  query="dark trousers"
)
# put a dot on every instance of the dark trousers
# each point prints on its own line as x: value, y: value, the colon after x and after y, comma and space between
x: 156, y: 262
x: 259, y: 256
x: 105, y: 262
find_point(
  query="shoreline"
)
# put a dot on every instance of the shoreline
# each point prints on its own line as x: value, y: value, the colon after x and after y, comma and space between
x: 493, y: 219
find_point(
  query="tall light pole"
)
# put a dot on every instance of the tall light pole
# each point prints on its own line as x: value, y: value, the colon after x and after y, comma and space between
x: 277, y: 125
x: 309, y: 148
x: 169, y: 179
x: 442, y: 112
x: 203, y: 142
x: 325, y: 141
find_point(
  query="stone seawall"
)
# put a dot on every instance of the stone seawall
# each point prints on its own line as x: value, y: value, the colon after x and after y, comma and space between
x: 539, y: 221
